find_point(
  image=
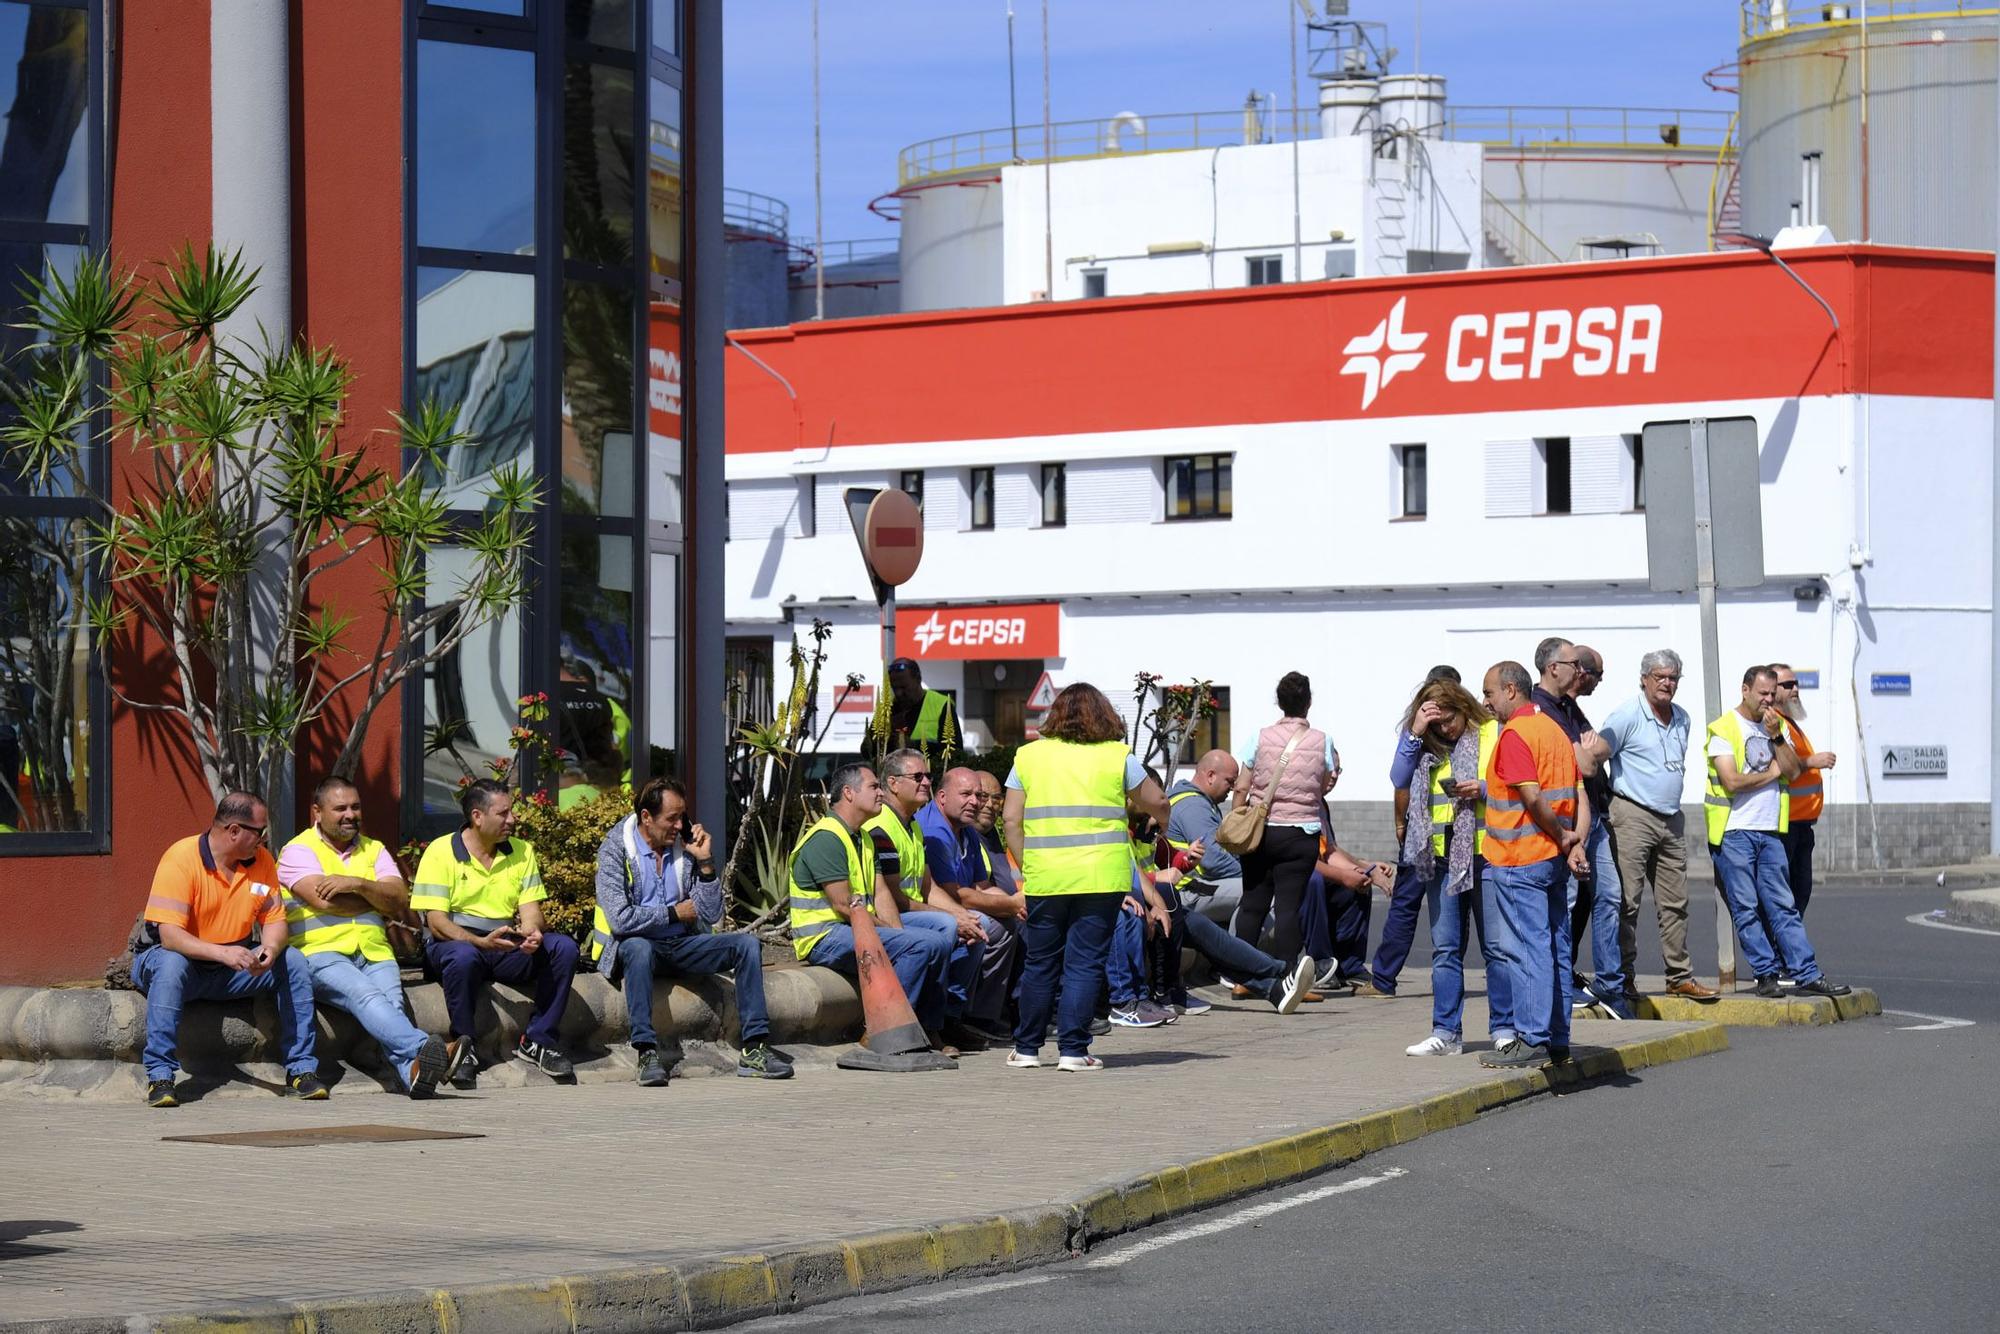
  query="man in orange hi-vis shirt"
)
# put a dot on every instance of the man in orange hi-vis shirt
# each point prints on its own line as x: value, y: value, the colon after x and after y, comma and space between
x: 215, y: 925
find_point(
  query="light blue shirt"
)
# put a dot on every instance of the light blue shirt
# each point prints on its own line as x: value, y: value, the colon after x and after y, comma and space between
x: 1648, y: 757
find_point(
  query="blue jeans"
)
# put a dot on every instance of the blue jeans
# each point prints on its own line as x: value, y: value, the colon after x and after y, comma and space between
x: 1450, y: 916
x: 1607, y: 962
x: 961, y: 974
x: 1399, y: 927
x: 918, y: 958
x: 639, y: 957
x: 1125, y: 965
x: 1532, y: 902
x: 1497, y: 947
x: 169, y: 980
x: 1067, y: 936
x: 1755, y: 878
x: 1239, y: 962
x: 373, y: 993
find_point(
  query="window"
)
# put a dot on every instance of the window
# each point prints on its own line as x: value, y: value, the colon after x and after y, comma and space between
x: 1212, y: 732
x: 54, y: 706
x: 1198, y: 486
x: 1638, y: 445
x: 1093, y: 283
x: 1264, y: 270
x: 808, y: 506
x: 981, y: 487
x: 912, y: 485
x: 1055, y: 495
x: 1412, y: 467
x: 1555, y: 475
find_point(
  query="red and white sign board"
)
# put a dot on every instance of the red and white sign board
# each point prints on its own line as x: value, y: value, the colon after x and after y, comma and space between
x: 939, y: 634
x: 1043, y: 696
x: 845, y: 714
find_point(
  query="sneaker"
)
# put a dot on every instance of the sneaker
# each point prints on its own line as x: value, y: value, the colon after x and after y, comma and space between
x: 457, y: 1053
x: 425, y: 1072
x: 466, y: 1077
x: 1613, y: 1009
x: 160, y: 1093
x: 1193, y: 1004
x: 1558, y: 1055
x: 1787, y: 981
x: 1291, y: 993
x: 1130, y: 1017
x: 1024, y: 1060
x: 1513, y: 1056
x: 1501, y: 1038
x: 1768, y: 988
x: 1329, y: 978
x: 652, y: 1071
x: 1436, y: 1045
x: 1820, y: 986
x: 1080, y: 1064
x: 760, y: 1061
x: 1153, y: 1010
x: 1099, y: 1026
x: 306, y: 1087
x: 546, y: 1059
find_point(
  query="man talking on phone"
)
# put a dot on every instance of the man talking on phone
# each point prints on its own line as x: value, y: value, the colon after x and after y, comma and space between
x: 215, y: 927
x: 481, y: 893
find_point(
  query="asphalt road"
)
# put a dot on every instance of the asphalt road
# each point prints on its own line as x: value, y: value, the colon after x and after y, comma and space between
x: 1841, y: 1179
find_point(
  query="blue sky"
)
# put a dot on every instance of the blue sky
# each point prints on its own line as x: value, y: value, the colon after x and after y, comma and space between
x: 893, y: 72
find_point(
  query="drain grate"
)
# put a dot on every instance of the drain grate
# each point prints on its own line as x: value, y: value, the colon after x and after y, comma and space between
x: 305, y: 1137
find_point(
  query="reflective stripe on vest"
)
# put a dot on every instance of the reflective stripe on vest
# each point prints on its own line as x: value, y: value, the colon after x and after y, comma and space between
x: 1074, y: 838
x: 909, y: 844
x: 472, y: 922
x: 1513, y: 837
x: 1444, y: 806
x: 813, y: 915
x: 314, y: 932
x: 1715, y: 803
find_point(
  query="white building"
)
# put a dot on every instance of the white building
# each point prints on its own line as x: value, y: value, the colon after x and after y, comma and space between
x: 1360, y: 479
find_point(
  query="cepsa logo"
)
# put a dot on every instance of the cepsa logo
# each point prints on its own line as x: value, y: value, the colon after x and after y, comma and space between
x: 971, y: 632
x: 1021, y: 630
x: 1511, y: 345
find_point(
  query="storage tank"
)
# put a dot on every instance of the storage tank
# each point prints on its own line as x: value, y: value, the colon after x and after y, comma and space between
x: 1929, y: 98
x: 951, y: 255
x: 1346, y: 106
x: 756, y: 254
x: 1414, y: 102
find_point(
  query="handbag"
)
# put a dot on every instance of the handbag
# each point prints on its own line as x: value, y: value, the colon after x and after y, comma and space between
x: 1243, y: 828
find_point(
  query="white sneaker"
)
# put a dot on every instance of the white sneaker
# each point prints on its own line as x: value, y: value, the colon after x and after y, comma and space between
x: 1292, y: 991
x: 1328, y: 980
x: 1024, y: 1060
x: 1078, y: 1063
x: 1436, y: 1046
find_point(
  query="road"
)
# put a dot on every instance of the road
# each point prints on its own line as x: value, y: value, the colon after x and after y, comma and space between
x: 1842, y: 1179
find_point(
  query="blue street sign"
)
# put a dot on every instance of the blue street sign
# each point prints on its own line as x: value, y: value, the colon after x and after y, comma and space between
x: 1809, y: 680
x: 1889, y: 683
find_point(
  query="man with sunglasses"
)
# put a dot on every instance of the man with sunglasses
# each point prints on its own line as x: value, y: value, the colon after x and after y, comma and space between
x: 215, y: 928
x: 1645, y: 740
x: 1808, y: 790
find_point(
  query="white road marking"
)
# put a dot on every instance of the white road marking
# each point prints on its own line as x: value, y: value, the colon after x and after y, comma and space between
x: 1925, y: 919
x: 1936, y: 1021
x: 1237, y: 1219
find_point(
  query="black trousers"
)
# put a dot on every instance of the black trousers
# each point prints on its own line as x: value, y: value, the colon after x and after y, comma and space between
x: 1275, y: 877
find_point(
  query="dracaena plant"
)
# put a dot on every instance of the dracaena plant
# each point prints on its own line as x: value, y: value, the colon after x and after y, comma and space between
x: 240, y: 487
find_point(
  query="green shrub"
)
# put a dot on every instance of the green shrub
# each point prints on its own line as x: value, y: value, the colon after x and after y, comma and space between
x: 566, y: 843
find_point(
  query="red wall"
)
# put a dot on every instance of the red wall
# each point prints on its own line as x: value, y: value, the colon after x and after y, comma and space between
x: 62, y: 918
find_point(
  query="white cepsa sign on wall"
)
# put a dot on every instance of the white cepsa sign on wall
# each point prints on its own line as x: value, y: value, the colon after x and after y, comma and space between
x: 1913, y: 761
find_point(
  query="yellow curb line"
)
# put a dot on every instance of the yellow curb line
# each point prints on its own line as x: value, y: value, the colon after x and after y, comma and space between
x: 701, y: 1294
x: 1756, y: 1012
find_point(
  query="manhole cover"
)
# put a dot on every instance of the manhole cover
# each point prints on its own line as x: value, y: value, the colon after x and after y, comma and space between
x: 308, y: 1136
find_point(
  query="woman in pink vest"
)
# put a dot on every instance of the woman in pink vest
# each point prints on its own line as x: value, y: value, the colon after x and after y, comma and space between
x: 1276, y: 874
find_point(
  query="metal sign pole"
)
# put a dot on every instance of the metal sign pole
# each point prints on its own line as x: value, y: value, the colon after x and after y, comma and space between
x: 888, y: 631
x: 1711, y: 659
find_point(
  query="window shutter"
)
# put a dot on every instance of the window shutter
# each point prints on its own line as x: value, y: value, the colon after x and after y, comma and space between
x: 1509, y: 478
x: 1600, y: 476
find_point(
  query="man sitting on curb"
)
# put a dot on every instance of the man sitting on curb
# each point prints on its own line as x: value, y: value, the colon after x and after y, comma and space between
x: 481, y: 892
x: 962, y: 881
x: 216, y: 928
x: 1214, y: 887
x: 657, y: 899
x: 340, y: 887
x: 833, y: 877
x: 992, y: 798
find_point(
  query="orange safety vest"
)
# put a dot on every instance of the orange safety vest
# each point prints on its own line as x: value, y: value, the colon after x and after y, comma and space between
x: 1512, y: 836
x: 1808, y: 791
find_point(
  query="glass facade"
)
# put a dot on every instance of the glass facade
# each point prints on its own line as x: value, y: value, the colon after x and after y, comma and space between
x: 54, y: 705
x: 546, y: 273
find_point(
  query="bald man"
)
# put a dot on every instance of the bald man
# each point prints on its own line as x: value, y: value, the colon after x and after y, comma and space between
x: 962, y: 883
x: 1216, y: 886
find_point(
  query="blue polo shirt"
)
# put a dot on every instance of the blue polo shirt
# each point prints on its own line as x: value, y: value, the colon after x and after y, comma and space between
x: 955, y: 859
x: 1648, y: 757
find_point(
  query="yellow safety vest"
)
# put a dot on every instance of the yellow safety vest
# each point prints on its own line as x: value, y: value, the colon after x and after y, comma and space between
x: 600, y: 925
x: 315, y: 933
x: 813, y: 915
x: 1715, y: 806
x: 909, y: 843
x: 1074, y: 838
x: 930, y: 718
x: 1444, y: 805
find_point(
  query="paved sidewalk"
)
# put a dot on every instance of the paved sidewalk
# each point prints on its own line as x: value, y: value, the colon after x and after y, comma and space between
x: 105, y: 1219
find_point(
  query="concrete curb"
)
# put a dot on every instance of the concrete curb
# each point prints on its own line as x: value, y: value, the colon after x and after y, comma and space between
x: 710, y: 1292
x: 1756, y: 1012
x: 1974, y: 907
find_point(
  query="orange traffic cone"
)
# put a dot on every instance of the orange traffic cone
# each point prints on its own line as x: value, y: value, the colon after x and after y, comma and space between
x: 892, y: 1039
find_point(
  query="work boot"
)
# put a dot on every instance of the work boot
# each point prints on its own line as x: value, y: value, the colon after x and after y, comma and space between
x: 425, y: 1072
x: 652, y: 1070
x: 762, y: 1061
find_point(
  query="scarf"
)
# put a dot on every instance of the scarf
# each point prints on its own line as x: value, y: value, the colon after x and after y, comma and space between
x: 1418, y: 854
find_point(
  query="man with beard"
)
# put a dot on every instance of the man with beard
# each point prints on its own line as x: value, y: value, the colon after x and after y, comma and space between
x: 1808, y: 789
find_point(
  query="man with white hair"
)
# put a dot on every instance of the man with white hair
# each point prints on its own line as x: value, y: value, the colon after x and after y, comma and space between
x: 1645, y: 740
